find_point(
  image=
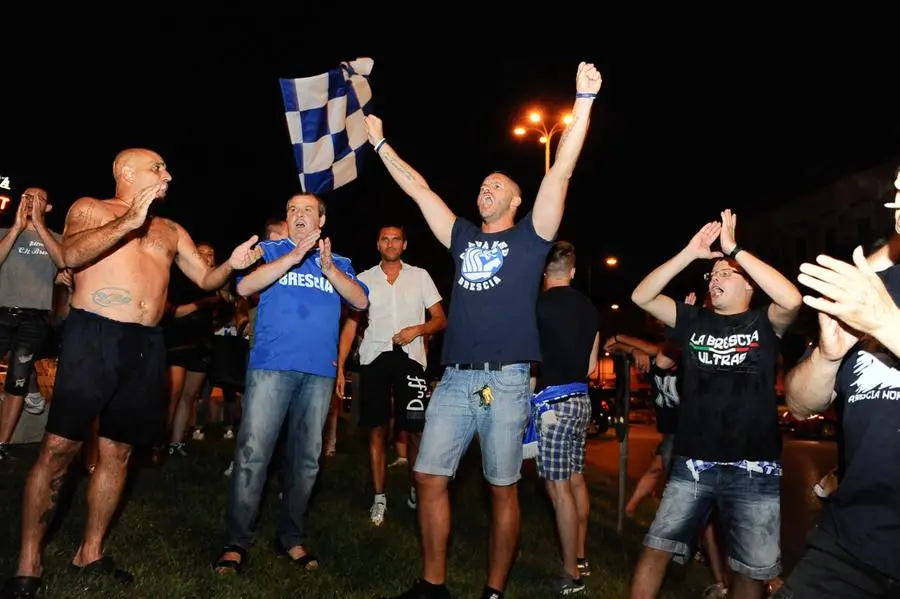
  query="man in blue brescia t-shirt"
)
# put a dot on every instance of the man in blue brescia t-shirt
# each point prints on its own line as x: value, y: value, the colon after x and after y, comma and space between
x: 290, y: 375
x: 490, y: 342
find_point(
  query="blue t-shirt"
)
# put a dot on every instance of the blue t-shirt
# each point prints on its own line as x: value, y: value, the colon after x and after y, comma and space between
x: 493, y: 305
x: 863, y: 514
x: 299, y: 315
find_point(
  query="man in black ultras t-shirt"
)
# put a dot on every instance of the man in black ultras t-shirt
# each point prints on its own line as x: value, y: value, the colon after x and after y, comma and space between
x: 854, y: 551
x: 728, y: 445
x: 569, y: 335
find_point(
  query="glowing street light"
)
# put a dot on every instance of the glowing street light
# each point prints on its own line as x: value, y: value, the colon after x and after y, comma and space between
x: 614, y: 307
x: 546, y: 135
x: 612, y: 261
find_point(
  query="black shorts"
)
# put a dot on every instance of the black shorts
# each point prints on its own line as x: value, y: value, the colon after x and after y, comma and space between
x: 393, y: 373
x: 22, y: 335
x: 114, y: 370
x: 192, y: 358
x: 828, y: 572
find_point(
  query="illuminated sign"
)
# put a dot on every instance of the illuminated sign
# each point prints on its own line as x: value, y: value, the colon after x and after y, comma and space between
x: 4, y: 200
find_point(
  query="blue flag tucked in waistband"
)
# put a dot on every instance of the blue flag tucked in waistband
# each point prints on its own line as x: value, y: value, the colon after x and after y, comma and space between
x: 542, y: 410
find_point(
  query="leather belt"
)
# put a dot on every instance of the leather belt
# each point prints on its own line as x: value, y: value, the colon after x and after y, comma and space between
x: 495, y: 365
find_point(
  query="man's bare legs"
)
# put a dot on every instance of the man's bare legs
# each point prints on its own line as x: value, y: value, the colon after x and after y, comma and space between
x: 41, y: 496
x: 191, y: 385
x: 377, y: 447
x: 411, y: 445
x: 583, y: 508
x: 567, y: 524
x: 9, y: 416
x: 103, y: 494
x: 504, y: 534
x: 714, y: 555
x: 434, y: 522
x: 646, y: 485
x: 649, y: 573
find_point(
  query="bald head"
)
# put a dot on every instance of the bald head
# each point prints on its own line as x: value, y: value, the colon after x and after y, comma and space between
x: 131, y: 158
x: 137, y: 168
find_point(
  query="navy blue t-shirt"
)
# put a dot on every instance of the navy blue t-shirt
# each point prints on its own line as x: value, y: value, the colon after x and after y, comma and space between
x: 493, y: 302
x: 864, y: 513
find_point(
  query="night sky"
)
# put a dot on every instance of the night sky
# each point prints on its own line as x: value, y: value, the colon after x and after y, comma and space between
x: 678, y: 133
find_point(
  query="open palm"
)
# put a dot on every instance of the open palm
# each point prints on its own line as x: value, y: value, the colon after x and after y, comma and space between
x: 699, y: 246
x: 245, y: 255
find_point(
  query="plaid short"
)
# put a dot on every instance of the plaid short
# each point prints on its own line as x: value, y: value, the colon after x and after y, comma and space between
x: 561, y: 445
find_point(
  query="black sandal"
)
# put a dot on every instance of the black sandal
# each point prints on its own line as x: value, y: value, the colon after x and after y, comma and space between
x: 230, y: 563
x: 105, y: 566
x: 308, y: 561
x: 21, y: 587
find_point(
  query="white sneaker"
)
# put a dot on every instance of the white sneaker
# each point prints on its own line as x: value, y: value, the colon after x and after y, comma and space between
x: 376, y: 514
x: 35, y: 403
x: 398, y: 462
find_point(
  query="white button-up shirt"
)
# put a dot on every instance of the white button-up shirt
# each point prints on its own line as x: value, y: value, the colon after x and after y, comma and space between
x: 393, y: 307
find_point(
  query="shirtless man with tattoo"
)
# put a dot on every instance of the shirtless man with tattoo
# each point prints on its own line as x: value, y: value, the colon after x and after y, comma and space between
x: 112, y: 360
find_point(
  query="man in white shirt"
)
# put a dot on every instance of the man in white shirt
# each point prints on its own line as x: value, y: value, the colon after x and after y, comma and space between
x: 392, y: 355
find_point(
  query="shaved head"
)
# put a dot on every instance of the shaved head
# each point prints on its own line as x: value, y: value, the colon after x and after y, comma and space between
x: 131, y: 157
x: 137, y: 168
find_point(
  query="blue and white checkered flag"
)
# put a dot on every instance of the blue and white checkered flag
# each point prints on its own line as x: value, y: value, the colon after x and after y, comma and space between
x: 325, y: 118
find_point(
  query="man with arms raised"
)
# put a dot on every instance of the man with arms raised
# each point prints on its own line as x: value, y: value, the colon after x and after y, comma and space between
x: 112, y: 359
x: 491, y: 341
x: 727, y: 450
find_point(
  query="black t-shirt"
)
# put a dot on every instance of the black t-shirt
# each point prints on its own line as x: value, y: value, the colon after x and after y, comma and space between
x: 667, y: 398
x: 492, y: 305
x: 864, y: 513
x: 729, y: 408
x: 567, y: 323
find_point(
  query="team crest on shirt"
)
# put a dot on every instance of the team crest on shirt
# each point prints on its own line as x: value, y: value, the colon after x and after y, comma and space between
x: 480, y: 263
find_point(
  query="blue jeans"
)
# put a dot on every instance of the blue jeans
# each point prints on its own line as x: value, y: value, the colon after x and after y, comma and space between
x: 455, y: 414
x: 749, y: 509
x: 270, y: 398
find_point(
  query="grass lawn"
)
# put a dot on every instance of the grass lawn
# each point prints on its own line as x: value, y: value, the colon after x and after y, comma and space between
x: 171, y: 528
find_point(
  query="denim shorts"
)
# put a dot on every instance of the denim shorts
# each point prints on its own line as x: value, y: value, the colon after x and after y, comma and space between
x: 749, y: 510
x: 455, y: 413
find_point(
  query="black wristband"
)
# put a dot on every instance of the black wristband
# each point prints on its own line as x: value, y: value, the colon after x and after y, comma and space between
x: 737, y: 249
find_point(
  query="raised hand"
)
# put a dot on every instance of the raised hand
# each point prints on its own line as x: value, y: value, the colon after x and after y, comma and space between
x: 374, y: 129
x: 588, y: 79
x: 726, y: 237
x: 835, y: 339
x: 140, y: 204
x: 325, y: 262
x: 37, y: 212
x: 21, y: 215
x: 304, y: 245
x: 245, y: 254
x: 699, y: 245
x: 855, y: 295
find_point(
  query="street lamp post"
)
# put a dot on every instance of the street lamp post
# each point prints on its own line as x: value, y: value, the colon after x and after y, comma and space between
x: 546, y: 134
